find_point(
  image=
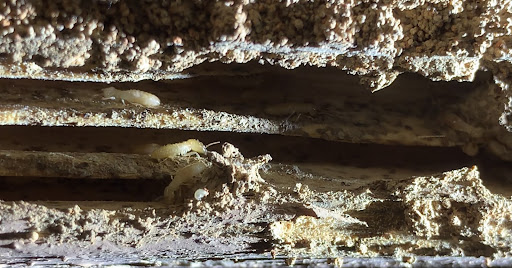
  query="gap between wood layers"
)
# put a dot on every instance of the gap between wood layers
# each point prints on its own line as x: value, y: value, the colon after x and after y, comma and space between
x: 317, y: 197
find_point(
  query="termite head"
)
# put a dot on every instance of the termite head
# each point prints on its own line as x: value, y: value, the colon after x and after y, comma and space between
x: 196, y: 146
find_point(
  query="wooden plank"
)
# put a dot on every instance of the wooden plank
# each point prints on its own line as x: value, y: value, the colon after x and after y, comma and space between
x: 85, y: 165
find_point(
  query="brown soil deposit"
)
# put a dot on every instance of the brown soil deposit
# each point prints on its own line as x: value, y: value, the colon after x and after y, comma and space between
x: 307, y: 133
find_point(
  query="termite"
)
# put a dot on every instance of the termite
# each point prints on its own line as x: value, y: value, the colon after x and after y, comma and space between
x: 189, y: 147
x: 133, y: 96
x: 185, y: 176
x: 459, y: 124
x: 145, y: 148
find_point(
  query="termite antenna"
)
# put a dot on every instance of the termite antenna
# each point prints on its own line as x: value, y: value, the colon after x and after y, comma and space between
x: 213, y: 143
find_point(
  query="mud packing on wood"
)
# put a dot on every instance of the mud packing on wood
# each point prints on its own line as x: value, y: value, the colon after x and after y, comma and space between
x: 216, y: 133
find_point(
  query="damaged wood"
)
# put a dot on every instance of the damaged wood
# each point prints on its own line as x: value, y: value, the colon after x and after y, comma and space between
x: 339, y: 145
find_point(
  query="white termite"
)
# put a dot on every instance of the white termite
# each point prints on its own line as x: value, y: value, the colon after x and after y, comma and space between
x: 133, y: 96
x: 188, y: 147
x: 459, y: 124
x: 184, y: 176
x: 145, y: 148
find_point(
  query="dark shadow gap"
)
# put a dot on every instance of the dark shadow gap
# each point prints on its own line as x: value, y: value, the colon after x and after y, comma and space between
x: 252, y: 89
x: 323, y: 103
x: 60, y: 189
x: 496, y: 174
x: 283, y: 149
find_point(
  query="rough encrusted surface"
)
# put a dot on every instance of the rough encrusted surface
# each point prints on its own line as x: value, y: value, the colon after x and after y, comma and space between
x: 263, y: 210
x: 124, y: 40
x: 415, y: 216
x: 331, y: 212
x: 82, y: 165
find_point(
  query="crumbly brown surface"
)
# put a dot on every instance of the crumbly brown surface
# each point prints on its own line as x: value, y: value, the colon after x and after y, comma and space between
x: 126, y: 40
x: 296, y: 211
